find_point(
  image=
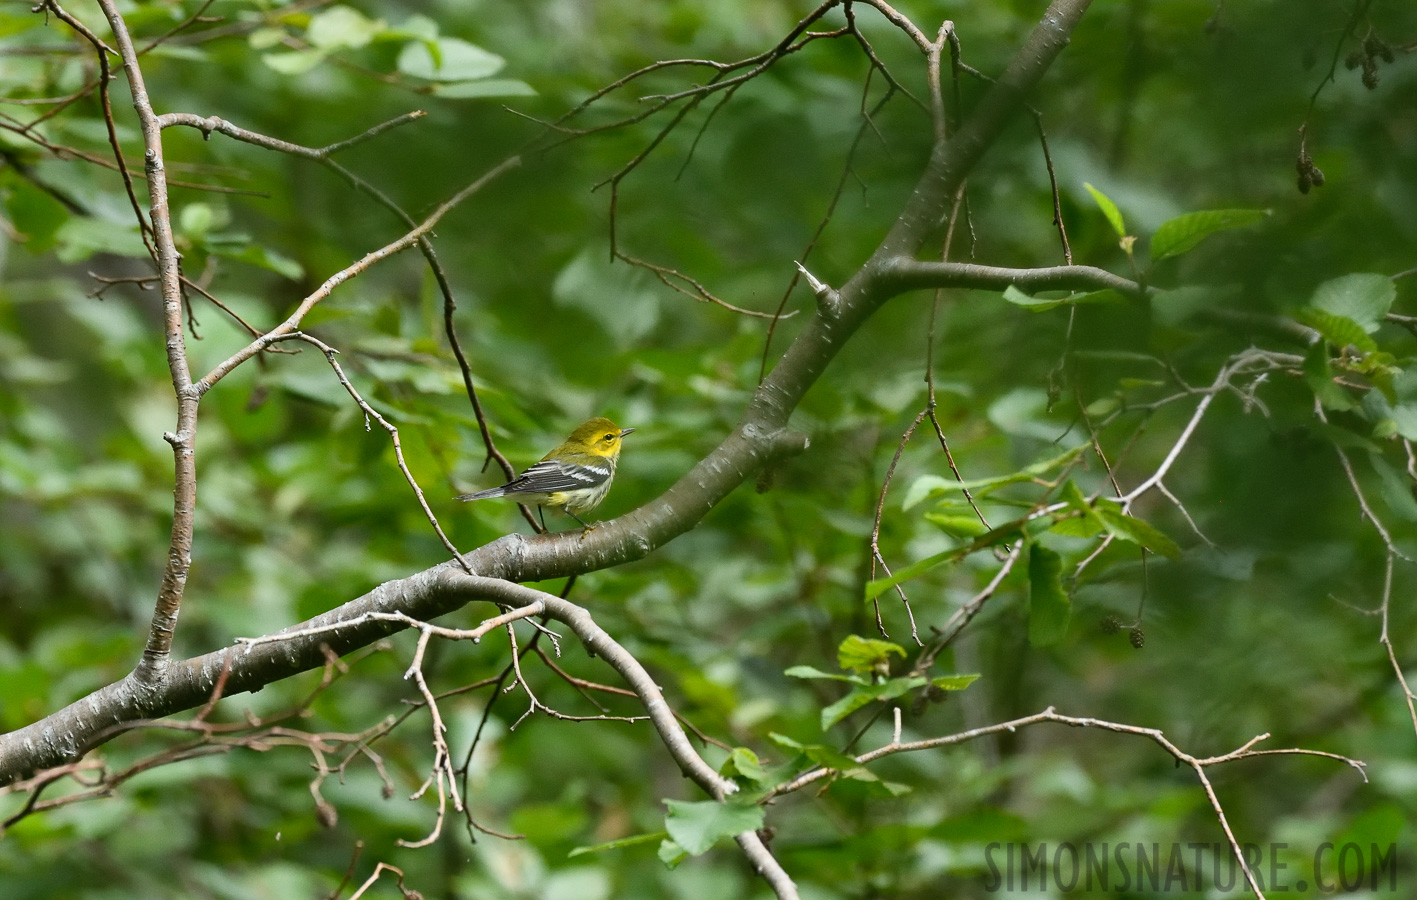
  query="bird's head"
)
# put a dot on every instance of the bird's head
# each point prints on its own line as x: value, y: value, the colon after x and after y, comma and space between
x: 599, y: 436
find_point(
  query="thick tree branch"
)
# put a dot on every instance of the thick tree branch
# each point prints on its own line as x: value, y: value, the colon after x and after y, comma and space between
x: 760, y: 438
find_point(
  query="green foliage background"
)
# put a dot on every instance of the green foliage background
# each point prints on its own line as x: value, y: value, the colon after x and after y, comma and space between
x: 1166, y: 108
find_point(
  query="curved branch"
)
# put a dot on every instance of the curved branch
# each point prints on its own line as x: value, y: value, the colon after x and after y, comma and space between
x: 1197, y: 764
x: 760, y: 438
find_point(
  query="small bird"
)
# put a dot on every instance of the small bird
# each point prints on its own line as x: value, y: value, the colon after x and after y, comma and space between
x: 575, y: 476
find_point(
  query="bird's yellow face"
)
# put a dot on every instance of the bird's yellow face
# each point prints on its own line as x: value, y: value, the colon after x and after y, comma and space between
x: 600, y: 436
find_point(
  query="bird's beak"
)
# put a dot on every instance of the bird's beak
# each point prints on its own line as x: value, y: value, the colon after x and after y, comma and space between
x: 625, y: 431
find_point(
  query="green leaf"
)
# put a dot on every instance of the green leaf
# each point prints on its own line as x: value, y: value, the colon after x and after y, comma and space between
x: 1361, y: 297
x: 630, y: 841
x: 342, y: 26
x: 1318, y: 373
x: 1130, y: 528
x: 861, y: 696
x: 1081, y: 526
x: 1342, y: 437
x: 82, y: 236
x: 448, y: 59
x: 858, y: 654
x: 930, y: 486
x: 697, y: 826
x: 620, y: 298
x: 878, y: 587
x: 1002, y: 534
x: 671, y: 854
x: 1109, y: 209
x: 491, y: 87
x: 813, y: 672
x: 745, y: 763
x: 1043, y: 304
x: 820, y: 754
x: 1048, y: 605
x: 294, y: 62
x: 266, y: 38
x: 1081, y: 520
x: 1404, y: 416
x: 265, y: 258
x: 34, y: 212
x: 957, y: 526
x: 953, y: 682
x: 1336, y: 329
x: 196, y: 220
x: 1183, y: 233
x: 1396, y: 488
x: 415, y: 27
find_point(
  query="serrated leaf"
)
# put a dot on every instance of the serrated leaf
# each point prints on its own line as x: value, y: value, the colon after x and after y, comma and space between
x: 1138, y: 531
x: 1085, y: 522
x: 1336, y: 329
x: 1362, y: 297
x: 490, y: 87
x: 697, y: 826
x: 448, y: 59
x: 1183, y: 233
x: 859, y: 654
x: 618, y: 843
x: 1048, y: 605
x: 1079, y: 526
x: 1318, y: 374
x: 1109, y: 209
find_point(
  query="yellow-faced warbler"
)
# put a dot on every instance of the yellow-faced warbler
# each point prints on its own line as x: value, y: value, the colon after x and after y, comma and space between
x: 574, y: 477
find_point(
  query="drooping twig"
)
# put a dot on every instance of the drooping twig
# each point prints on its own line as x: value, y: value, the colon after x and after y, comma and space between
x: 1197, y: 764
x: 371, y: 412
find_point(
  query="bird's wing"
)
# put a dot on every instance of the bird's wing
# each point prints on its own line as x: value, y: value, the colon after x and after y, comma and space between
x: 550, y: 476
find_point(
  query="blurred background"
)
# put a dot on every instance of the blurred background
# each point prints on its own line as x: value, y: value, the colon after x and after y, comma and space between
x: 1165, y: 107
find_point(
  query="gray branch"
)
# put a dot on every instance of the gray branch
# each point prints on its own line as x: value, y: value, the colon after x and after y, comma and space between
x: 760, y: 438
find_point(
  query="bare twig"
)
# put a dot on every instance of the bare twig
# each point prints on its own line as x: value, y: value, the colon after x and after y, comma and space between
x: 292, y: 323
x: 1198, y: 764
x: 371, y: 412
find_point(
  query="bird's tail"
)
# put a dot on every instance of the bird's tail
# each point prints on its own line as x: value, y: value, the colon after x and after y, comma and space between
x: 483, y: 495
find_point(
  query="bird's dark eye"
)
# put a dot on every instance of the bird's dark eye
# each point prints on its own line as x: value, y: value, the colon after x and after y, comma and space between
x: 608, y: 437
